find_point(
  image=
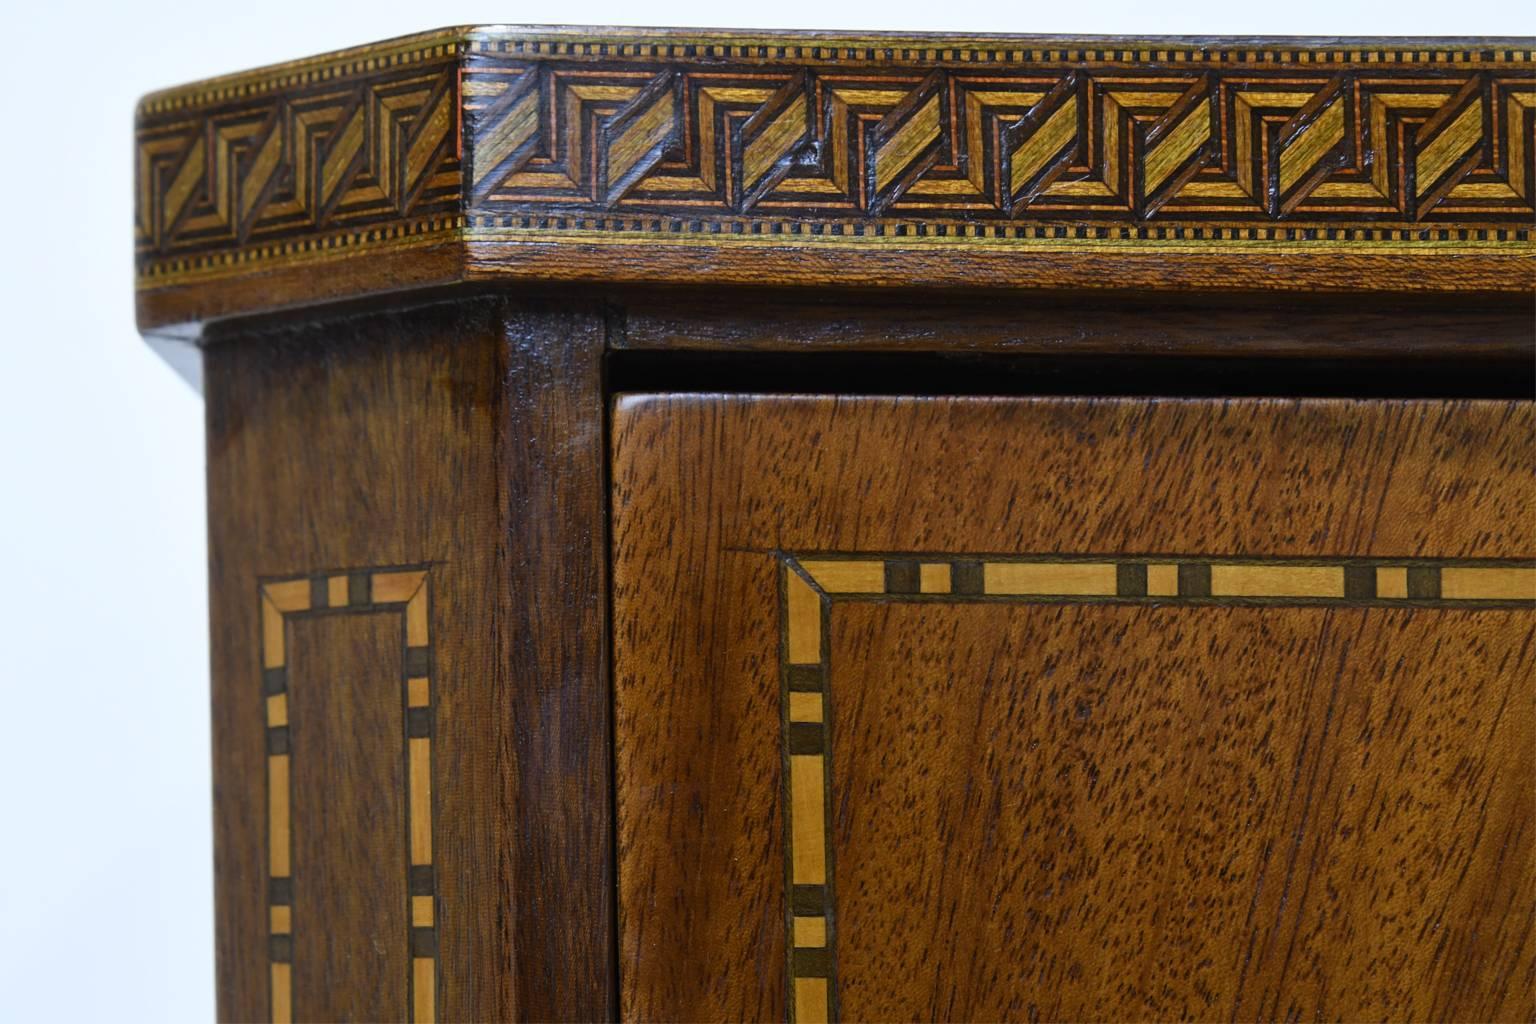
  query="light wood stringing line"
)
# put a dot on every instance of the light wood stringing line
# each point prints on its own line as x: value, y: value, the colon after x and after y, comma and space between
x: 421, y: 801
x: 804, y: 621
x: 396, y: 587
x: 418, y: 692
x: 282, y: 994
x: 416, y: 620
x: 1162, y: 580
x: 424, y: 988
x: 1087, y: 579
x: 277, y: 814
x: 1277, y: 581
x: 1391, y: 581
x: 837, y: 577
x: 804, y: 707
x: 272, y: 648
x: 808, y: 819
x: 289, y: 596
x: 1487, y: 584
x: 934, y: 578
x: 811, y: 1001
x: 811, y: 932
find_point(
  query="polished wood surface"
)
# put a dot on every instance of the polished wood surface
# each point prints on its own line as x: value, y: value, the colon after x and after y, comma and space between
x: 1270, y: 766
x: 410, y: 700
x: 349, y: 911
x: 1067, y: 505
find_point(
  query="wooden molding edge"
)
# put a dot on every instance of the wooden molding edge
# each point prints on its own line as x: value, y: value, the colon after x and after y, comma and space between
x: 568, y: 154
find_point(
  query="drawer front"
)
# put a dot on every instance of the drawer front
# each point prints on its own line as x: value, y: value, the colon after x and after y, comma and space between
x: 1054, y: 709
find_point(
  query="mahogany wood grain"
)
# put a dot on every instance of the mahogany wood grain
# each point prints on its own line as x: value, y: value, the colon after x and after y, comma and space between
x: 466, y: 439
x: 351, y: 957
x: 1111, y: 813
x: 1049, y: 811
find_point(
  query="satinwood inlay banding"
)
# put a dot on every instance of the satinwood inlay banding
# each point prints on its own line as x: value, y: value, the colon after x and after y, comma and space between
x: 822, y: 580
x: 404, y: 592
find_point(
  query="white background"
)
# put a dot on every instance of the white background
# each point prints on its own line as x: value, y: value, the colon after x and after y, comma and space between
x: 105, y: 846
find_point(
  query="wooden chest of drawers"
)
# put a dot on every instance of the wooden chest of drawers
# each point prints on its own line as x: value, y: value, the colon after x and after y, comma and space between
x: 719, y: 527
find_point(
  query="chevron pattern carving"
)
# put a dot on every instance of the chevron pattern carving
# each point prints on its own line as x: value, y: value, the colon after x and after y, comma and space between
x: 724, y: 137
x: 375, y: 149
x: 1068, y: 145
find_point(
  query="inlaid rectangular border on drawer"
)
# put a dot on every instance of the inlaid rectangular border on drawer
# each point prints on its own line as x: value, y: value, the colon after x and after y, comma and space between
x: 811, y: 583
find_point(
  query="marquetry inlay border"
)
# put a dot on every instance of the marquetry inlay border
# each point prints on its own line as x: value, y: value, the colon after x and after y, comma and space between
x: 811, y: 583
x: 580, y: 137
x: 403, y: 591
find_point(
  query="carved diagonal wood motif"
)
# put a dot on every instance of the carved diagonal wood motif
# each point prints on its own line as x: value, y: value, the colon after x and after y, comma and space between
x: 497, y: 136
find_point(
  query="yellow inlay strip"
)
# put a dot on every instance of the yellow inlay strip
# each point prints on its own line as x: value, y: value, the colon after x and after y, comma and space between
x: 261, y: 172
x: 1453, y: 143
x: 766, y: 150
x: 910, y: 139
x: 282, y: 994
x: 1483, y: 190
x: 1392, y: 581
x: 1162, y: 581
x: 288, y: 596
x: 811, y: 932
x: 421, y: 911
x: 282, y: 920
x: 185, y: 182
x: 277, y: 815
x: 1277, y: 581
x: 418, y: 692
x: 804, y: 622
x: 425, y: 978
x: 848, y: 577
x: 426, y: 143
x: 1096, y: 189
x: 643, y: 133
x: 1514, y: 138
x: 1043, y: 578
x: 394, y: 587
x: 416, y: 620
x: 421, y: 800
x: 1308, y: 148
x: 1488, y: 584
x: 808, y: 853
x: 277, y: 710
x: 516, y: 127
x: 1177, y: 146
x: 1045, y: 143
x: 934, y: 579
x: 272, y: 654
x: 340, y: 157
x: 336, y: 591
x: 811, y: 1003
x: 804, y: 707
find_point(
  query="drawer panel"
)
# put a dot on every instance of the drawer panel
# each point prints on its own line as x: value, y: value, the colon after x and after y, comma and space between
x: 1057, y: 709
